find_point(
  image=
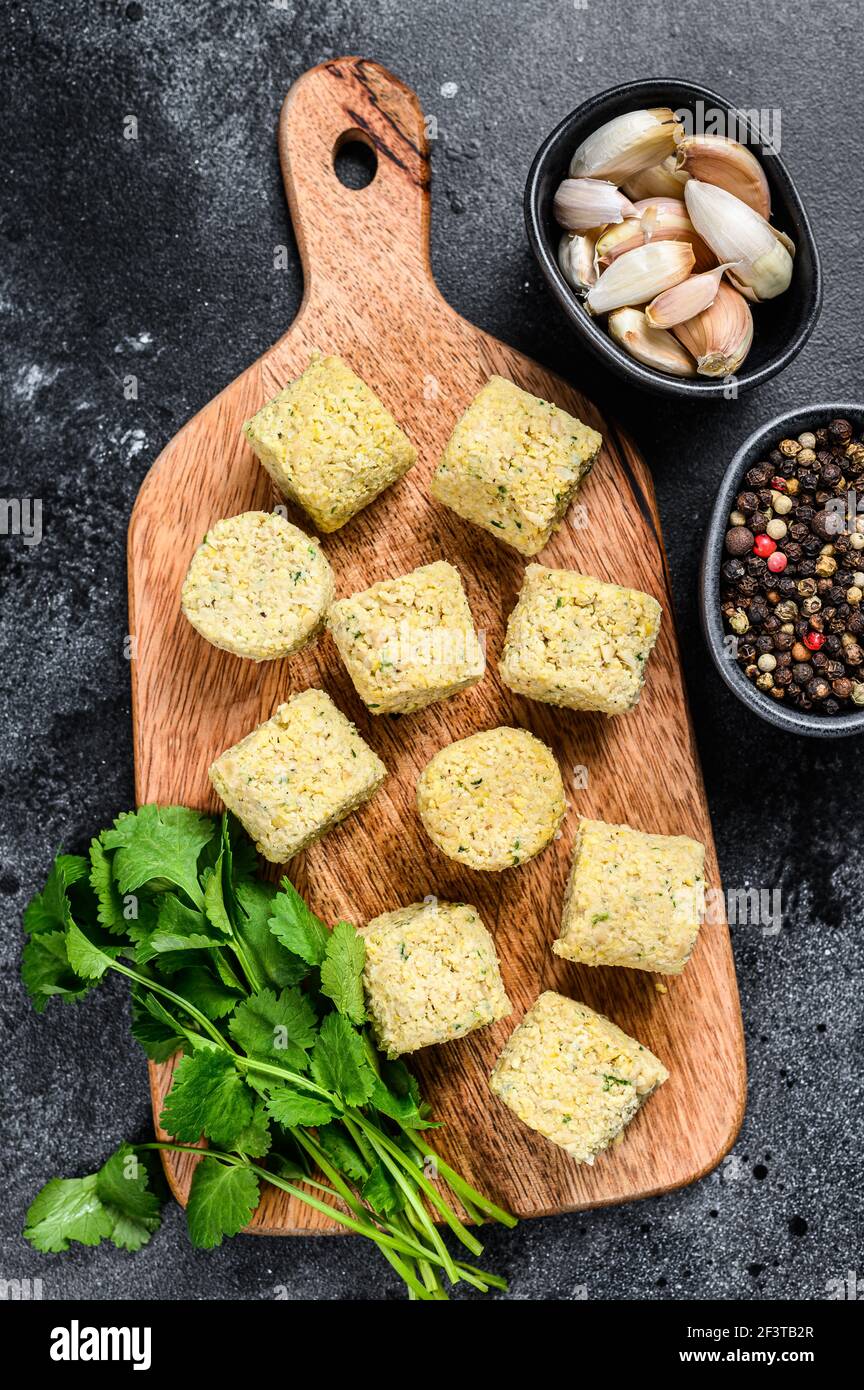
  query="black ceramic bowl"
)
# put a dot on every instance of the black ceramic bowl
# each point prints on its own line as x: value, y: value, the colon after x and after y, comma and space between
x: 782, y: 325
x: 754, y: 449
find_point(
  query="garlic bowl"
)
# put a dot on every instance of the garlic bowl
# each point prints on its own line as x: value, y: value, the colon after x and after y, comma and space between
x: 783, y: 323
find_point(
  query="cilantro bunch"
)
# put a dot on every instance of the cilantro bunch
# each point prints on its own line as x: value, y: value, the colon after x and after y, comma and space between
x: 278, y: 1071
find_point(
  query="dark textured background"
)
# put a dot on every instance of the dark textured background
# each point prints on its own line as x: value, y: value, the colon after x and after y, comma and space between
x: 155, y: 257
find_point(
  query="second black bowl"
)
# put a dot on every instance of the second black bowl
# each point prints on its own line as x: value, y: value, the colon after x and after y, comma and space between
x: 782, y: 325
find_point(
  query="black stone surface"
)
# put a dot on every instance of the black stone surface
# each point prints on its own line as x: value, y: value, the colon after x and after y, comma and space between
x: 154, y: 257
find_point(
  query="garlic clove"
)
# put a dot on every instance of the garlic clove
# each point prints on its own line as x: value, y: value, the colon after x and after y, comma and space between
x: 735, y: 232
x: 639, y: 275
x: 718, y: 160
x: 664, y: 180
x: 686, y: 300
x: 576, y: 260
x: 719, y: 337
x: 659, y: 219
x: 582, y: 204
x: 625, y: 145
x: 653, y: 347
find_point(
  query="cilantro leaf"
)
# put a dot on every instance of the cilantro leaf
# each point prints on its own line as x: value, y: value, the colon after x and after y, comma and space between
x: 381, y: 1192
x: 275, y: 965
x: 202, y: 989
x: 159, y: 846
x: 46, y: 972
x: 290, y: 1106
x: 275, y: 1029
x: 67, y: 1209
x: 88, y: 960
x: 208, y: 1097
x: 297, y: 927
x: 221, y: 1202
x: 214, y: 901
x: 114, y: 1204
x: 178, y: 928
x: 255, y: 1140
x: 342, y: 971
x: 49, y: 909
x: 157, y: 1035
x: 343, y: 1152
x: 397, y: 1094
x: 122, y: 1186
x: 111, y: 906
x: 339, y: 1061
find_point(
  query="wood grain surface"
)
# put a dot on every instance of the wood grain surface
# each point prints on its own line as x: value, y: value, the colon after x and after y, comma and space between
x: 370, y: 297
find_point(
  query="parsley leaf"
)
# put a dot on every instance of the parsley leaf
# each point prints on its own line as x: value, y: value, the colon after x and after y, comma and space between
x: 159, y: 846
x: 255, y: 1140
x: 221, y: 1202
x: 208, y: 1097
x: 343, y: 1152
x: 297, y: 927
x: 342, y: 971
x: 339, y: 1061
x: 276, y: 1029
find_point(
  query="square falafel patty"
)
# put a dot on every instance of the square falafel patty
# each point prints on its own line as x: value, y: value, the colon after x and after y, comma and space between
x: 297, y: 775
x: 328, y: 443
x: 574, y: 1076
x: 409, y: 641
x: 632, y: 899
x: 513, y: 465
x: 576, y: 641
x: 431, y: 975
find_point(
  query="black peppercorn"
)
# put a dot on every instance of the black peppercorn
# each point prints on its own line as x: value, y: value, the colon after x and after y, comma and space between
x: 732, y: 570
x: 746, y: 502
x: 831, y: 707
x: 739, y: 540
x: 840, y: 431
x: 758, y: 522
x: 802, y: 672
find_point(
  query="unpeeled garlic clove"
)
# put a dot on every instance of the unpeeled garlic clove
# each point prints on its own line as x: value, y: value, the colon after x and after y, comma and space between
x: 735, y: 232
x: 625, y: 145
x: 653, y: 347
x: 720, y: 337
x: 576, y: 259
x: 659, y: 219
x: 686, y: 300
x: 639, y: 275
x: 726, y: 164
x: 664, y: 180
x: 581, y: 204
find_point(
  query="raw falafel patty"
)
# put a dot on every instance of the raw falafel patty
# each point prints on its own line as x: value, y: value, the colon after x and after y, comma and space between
x: 492, y: 800
x: 258, y: 587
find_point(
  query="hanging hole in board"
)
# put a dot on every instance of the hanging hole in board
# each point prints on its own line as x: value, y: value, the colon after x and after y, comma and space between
x: 355, y: 160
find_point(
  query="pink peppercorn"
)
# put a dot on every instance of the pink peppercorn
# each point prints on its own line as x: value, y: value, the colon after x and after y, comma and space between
x: 814, y: 640
x: 777, y: 562
x: 764, y: 546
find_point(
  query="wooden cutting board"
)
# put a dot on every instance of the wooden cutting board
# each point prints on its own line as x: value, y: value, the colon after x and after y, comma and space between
x: 370, y: 297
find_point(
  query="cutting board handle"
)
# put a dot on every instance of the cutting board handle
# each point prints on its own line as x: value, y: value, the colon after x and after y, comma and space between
x: 351, y: 239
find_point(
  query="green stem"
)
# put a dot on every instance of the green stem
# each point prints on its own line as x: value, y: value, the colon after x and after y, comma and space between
x: 457, y: 1227
x: 190, y: 1009
x: 463, y: 1190
x: 410, y: 1193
